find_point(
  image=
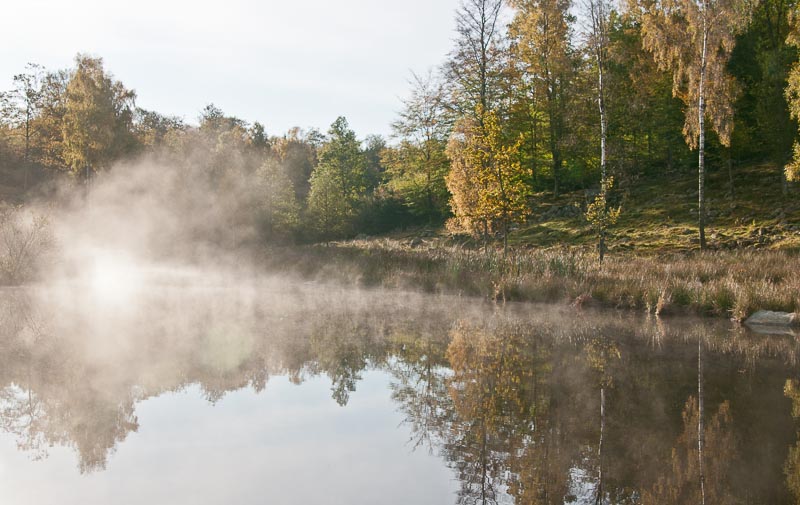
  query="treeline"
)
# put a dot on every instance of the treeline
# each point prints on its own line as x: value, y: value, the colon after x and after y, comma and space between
x: 536, y: 96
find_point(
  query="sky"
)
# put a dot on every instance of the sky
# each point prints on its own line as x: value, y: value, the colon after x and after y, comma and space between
x: 283, y: 63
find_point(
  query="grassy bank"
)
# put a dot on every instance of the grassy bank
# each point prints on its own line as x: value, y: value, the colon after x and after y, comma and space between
x: 653, y: 266
x: 722, y: 283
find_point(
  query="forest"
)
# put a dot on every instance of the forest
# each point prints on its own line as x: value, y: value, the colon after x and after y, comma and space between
x: 550, y: 123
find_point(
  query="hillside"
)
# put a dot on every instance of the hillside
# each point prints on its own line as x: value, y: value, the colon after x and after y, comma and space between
x: 659, y: 214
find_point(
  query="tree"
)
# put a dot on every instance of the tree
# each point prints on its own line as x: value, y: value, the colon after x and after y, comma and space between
x: 761, y: 62
x: 601, y: 216
x: 153, y: 130
x: 598, y: 42
x: 21, y: 108
x: 50, y: 121
x: 486, y: 181
x: 97, y: 119
x: 793, y: 97
x: 374, y: 167
x: 474, y: 67
x: 338, y: 182
x: 542, y: 34
x: 694, y: 39
x: 418, y: 165
x: 279, y: 207
x: 645, y: 119
x: 463, y: 180
x: 297, y: 152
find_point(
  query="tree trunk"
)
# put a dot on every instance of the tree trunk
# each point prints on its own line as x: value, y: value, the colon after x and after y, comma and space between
x: 701, y: 145
x: 505, y: 236
x: 730, y: 176
x: 701, y: 432
x: 27, y: 144
x: 556, y: 168
x: 533, y: 148
x: 603, y: 126
x: 599, y: 498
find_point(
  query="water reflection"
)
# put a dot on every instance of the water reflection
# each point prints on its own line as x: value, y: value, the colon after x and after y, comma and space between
x: 525, y: 404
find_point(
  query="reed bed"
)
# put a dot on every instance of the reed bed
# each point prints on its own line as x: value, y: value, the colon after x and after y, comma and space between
x: 730, y: 284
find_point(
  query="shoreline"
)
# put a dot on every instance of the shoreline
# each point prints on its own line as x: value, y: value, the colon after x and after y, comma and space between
x: 719, y: 284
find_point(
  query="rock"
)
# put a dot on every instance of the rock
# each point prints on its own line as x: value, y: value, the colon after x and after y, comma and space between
x: 780, y: 331
x: 770, y: 318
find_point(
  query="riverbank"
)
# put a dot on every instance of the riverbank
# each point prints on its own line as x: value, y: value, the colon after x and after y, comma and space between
x: 730, y: 284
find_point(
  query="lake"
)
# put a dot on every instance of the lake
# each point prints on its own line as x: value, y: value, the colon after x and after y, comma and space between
x: 274, y: 391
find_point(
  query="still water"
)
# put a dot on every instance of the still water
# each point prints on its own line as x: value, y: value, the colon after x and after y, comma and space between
x: 278, y: 392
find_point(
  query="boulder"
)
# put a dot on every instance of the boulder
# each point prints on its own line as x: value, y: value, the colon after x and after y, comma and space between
x: 770, y: 318
x: 774, y: 331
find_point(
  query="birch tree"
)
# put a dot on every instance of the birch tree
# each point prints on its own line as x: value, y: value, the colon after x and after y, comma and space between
x: 598, y: 42
x: 694, y: 39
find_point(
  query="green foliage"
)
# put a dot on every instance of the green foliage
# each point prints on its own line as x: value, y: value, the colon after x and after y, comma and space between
x: 417, y: 166
x: 416, y: 173
x: 329, y: 211
x: 279, y: 207
x: 761, y: 62
x: 541, y: 31
x: 599, y: 214
x: 338, y: 182
x: 793, y: 96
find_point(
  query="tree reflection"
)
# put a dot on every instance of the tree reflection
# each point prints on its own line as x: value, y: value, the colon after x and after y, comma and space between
x: 703, y: 456
x: 792, y: 465
x: 420, y: 387
x: 600, y: 352
x: 525, y: 410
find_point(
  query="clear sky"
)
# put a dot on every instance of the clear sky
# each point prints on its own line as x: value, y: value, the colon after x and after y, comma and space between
x: 284, y: 63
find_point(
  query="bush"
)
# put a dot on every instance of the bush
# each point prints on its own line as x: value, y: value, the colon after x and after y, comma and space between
x: 25, y: 241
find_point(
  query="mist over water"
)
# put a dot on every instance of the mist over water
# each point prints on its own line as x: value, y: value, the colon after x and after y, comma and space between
x: 156, y: 359
x: 146, y: 220
x: 202, y: 392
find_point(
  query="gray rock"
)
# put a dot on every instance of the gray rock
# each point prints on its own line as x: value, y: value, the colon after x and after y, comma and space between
x: 770, y: 318
x: 779, y: 331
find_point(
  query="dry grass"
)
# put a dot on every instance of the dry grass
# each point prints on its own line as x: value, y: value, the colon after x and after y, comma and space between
x: 725, y: 283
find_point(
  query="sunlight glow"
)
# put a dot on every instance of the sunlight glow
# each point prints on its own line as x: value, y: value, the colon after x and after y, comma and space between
x: 115, y: 277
